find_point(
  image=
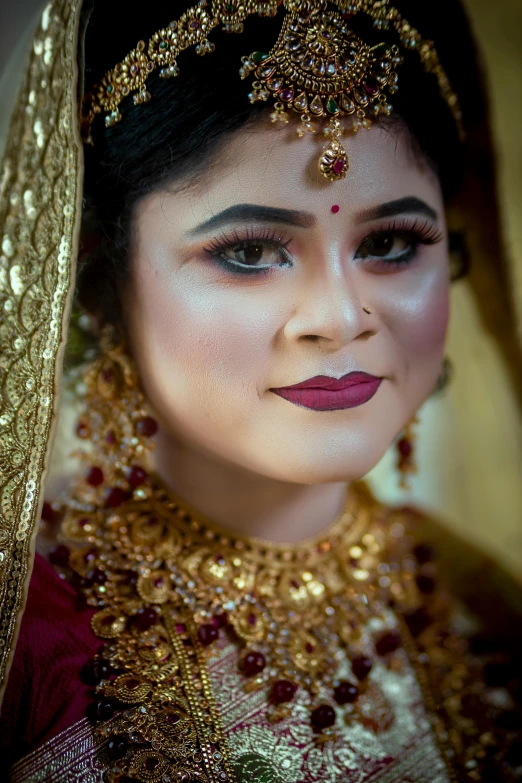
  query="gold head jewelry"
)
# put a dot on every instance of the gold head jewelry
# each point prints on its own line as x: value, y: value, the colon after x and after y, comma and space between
x: 318, y: 68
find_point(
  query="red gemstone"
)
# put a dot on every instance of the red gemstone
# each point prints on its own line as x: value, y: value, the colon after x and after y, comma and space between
x: 252, y: 663
x: 346, y: 692
x: 172, y: 718
x: 335, y: 209
x: 287, y: 94
x: 47, y: 512
x: 136, y: 476
x: 147, y: 426
x: 83, y: 522
x: 59, y: 555
x: 131, y: 685
x: 82, y: 430
x: 405, y: 447
x: 207, y: 634
x: 145, y: 618
x: 110, y: 438
x: 115, y: 496
x: 95, y: 477
x: 361, y: 667
x: 387, y: 643
x: 181, y: 628
x: 339, y: 166
x: 417, y: 621
x: 252, y: 619
x: 151, y: 764
x: 322, y: 717
x: 282, y: 691
x: 309, y: 648
x: 371, y: 87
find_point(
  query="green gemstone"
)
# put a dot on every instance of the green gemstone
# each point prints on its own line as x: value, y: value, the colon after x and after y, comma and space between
x: 163, y: 45
x: 259, y: 57
x: 110, y: 89
x: 332, y: 106
x: 229, y: 7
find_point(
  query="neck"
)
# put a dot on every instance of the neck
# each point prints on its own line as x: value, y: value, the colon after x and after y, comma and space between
x: 244, y: 502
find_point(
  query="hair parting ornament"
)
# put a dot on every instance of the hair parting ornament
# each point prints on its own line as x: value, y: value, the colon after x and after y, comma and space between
x: 318, y: 68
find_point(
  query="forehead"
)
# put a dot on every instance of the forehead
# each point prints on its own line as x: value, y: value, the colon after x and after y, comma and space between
x: 276, y: 165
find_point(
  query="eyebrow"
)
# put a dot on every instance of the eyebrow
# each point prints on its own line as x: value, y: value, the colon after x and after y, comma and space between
x: 256, y: 213
x: 401, y: 206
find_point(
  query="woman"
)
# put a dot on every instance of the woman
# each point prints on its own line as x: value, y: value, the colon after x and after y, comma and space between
x: 216, y: 596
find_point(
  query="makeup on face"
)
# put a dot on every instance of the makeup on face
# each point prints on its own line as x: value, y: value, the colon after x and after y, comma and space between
x: 251, y: 286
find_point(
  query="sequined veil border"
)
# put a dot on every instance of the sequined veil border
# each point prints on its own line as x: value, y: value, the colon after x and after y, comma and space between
x: 40, y: 207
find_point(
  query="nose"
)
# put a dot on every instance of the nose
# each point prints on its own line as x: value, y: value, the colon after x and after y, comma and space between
x: 329, y: 310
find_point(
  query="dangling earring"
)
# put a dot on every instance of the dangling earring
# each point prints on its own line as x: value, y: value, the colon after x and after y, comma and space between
x: 119, y: 427
x: 406, y: 464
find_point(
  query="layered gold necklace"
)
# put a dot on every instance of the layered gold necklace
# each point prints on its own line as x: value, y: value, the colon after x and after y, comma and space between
x: 170, y: 589
x: 169, y: 586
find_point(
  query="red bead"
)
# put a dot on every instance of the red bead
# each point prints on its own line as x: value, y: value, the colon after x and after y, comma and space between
x: 335, y: 209
x: 282, y: 691
x: 145, y: 618
x: 207, y: 634
x: 322, y: 717
x: 253, y: 663
x: 59, y: 555
x: 220, y: 620
x: 136, y: 476
x: 110, y: 438
x: 147, y: 426
x: 405, y: 447
x: 361, y: 667
x: 95, y: 477
x: 105, y: 710
x: 82, y: 430
x: 387, y: 643
x: 115, y: 496
x: 47, y: 512
x: 346, y: 692
x: 117, y: 747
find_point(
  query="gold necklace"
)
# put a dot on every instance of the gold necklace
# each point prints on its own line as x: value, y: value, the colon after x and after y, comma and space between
x: 168, y: 583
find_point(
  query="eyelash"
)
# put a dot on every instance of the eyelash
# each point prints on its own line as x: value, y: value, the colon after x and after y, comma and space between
x: 414, y: 231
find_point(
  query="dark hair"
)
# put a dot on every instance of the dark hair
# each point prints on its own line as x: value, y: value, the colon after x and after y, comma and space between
x: 176, y: 135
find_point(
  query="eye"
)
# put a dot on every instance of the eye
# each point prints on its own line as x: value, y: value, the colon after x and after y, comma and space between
x: 259, y: 251
x: 253, y: 254
x: 388, y: 246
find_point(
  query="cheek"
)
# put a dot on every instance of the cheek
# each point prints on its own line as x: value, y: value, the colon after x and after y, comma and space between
x: 419, y: 317
x: 201, y: 338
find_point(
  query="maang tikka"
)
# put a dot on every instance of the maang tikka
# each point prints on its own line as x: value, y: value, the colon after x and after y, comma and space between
x: 318, y: 68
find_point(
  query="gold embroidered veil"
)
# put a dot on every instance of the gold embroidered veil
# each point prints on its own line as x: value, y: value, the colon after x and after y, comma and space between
x: 471, y: 441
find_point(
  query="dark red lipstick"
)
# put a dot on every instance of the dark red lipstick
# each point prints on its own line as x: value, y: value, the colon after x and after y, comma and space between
x: 323, y: 393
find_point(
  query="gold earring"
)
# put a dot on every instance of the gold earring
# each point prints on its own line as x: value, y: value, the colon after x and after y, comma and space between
x: 406, y: 464
x: 367, y: 310
x: 119, y: 427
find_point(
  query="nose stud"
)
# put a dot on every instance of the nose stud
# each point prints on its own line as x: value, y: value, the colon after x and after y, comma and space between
x: 367, y: 310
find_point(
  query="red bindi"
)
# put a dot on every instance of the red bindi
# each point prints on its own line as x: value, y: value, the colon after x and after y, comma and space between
x: 336, y: 208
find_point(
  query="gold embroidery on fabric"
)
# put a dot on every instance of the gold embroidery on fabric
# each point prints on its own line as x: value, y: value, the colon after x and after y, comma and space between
x: 40, y: 181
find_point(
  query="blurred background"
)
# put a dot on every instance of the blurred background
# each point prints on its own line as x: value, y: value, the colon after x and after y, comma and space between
x: 469, y: 444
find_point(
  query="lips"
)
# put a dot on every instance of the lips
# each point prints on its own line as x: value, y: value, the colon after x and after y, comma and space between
x: 330, y: 394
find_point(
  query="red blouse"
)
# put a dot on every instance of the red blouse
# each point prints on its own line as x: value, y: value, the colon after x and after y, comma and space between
x: 45, y: 693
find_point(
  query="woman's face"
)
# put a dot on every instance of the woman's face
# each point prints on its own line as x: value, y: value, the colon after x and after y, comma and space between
x: 253, y: 280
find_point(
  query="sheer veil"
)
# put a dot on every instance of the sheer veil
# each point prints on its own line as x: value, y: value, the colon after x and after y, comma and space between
x: 469, y: 449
